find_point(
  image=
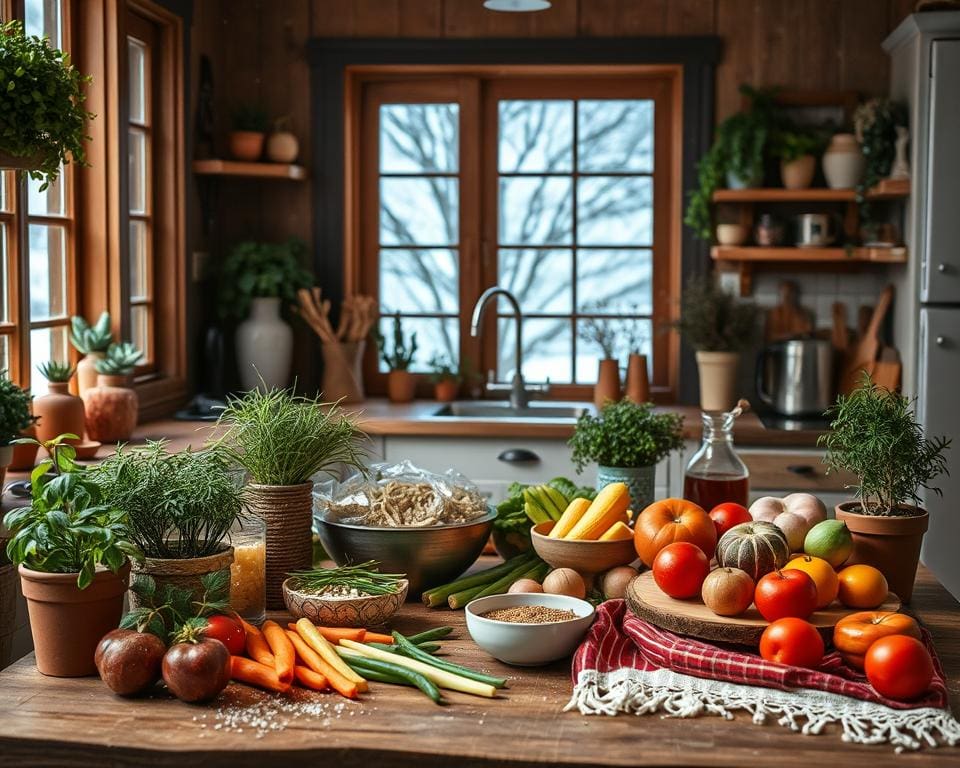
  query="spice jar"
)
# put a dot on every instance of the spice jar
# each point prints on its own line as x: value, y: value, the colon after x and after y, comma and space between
x: 248, y: 581
x: 769, y: 231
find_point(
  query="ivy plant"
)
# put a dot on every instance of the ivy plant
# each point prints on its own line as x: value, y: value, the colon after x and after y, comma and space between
x: 261, y: 270
x: 875, y: 124
x: 625, y: 434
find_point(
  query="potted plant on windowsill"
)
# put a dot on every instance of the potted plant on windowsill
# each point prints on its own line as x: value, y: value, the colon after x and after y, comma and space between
x: 72, y: 549
x: 91, y: 341
x: 401, y: 385
x: 58, y: 412
x: 250, y: 123
x: 256, y: 281
x: 42, y: 120
x: 718, y: 326
x: 626, y: 441
x: 180, y: 508
x: 282, y: 441
x: 15, y: 417
x: 797, y: 150
x: 111, y: 407
x: 875, y: 436
x: 599, y: 332
x: 445, y: 377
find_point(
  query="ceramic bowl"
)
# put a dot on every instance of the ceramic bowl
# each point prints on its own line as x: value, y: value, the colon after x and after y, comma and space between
x: 528, y: 645
x: 346, y: 612
x: 732, y: 234
x: 585, y: 557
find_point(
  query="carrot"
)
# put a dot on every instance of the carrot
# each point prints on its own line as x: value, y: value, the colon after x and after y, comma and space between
x: 336, y: 634
x: 310, y: 679
x: 376, y: 637
x: 313, y: 660
x: 254, y: 673
x: 284, y: 655
x: 257, y: 647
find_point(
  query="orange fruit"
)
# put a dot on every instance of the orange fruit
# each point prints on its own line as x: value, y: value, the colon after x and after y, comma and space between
x: 862, y: 586
x: 823, y: 576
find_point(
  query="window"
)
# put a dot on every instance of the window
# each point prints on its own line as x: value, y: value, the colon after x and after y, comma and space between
x: 563, y: 190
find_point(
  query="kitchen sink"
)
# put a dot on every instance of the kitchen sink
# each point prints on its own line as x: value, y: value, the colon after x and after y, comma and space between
x: 502, y: 410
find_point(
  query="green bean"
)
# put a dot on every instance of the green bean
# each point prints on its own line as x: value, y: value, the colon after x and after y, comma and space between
x: 413, y: 652
x: 391, y: 648
x: 364, y: 666
x: 437, y: 633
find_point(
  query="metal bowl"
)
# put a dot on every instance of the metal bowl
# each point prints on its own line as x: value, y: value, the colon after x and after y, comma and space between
x: 430, y: 556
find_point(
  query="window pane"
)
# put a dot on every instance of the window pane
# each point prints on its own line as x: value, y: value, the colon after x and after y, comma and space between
x: 138, y: 260
x: 536, y: 136
x: 547, y: 349
x: 419, y: 211
x: 137, y: 66
x: 42, y: 17
x: 48, y: 272
x: 535, y: 211
x: 614, y: 135
x: 417, y: 138
x: 615, y: 210
x: 46, y: 344
x: 419, y: 280
x: 6, y: 199
x: 50, y: 202
x: 542, y: 280
x: 435, y: 336
x: 4, y: 275
x: 621, y: 281
x: 138, y: 171
x: 631, y: 335
x: 140, y: 329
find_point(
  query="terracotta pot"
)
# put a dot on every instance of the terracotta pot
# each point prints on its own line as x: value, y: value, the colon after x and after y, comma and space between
x: 446, y: 390
x: 86, y: 376
x: 246, y: 145
x: 732, y: 234
x: 181, y: 573
x: 718, y: 379
x: 25, y: 456
x: 891, y: 544
x: 608, y: 383
x: 638, y: 379
x: 68, y: 622
x: 282, y: 147
x: 111, y: 409
x: 58, y: 413
x: 843, y: 162
x: 9, y: 597
x: 401, y: 386
x: 798, y: 174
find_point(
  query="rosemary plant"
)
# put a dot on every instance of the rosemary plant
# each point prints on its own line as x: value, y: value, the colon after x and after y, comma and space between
x: 711, y: 320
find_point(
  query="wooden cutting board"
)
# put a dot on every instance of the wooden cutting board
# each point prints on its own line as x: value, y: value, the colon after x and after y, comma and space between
x: 839, y: 333
x: 887, y: 369
x: 788, y: 319
x: 862, y: 355
x: 692, y: 617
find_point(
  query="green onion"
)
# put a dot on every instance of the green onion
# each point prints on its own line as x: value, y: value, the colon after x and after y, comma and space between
x: 372, y: 667
x: 364, y: 578
x: 438, y: 596
x: 437, y: 633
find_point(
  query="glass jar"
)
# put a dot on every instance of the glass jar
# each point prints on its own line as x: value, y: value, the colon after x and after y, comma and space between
x: 715, y: 473
x: 248, y: 579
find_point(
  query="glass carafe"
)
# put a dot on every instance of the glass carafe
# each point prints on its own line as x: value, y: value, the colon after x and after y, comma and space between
x: 715, y: 473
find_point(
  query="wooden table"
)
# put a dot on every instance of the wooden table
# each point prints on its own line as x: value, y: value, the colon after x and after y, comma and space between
x: 74, y: 722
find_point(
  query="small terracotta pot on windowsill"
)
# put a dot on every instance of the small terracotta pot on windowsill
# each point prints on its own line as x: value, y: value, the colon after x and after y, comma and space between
x: 401, y: 386
x: 607, y: 387
x: 111, y: 409
x: 446, y: 390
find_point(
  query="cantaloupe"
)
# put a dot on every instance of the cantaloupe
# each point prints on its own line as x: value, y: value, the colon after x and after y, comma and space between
x: 757, y: 548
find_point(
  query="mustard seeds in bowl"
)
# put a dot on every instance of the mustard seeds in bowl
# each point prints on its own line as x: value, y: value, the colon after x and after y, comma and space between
x: 530, y: 614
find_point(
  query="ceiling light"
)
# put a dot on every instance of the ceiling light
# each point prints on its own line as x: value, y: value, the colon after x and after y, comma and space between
x: 516, y: 6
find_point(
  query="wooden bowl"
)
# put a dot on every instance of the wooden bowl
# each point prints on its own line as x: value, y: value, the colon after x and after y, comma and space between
x: 369, y: 611
x: 585, y: 557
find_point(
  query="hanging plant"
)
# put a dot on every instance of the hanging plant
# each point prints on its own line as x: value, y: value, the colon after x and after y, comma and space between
x: 875, y: 124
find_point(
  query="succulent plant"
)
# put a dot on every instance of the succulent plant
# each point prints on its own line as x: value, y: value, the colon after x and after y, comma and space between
x: 120, y: 360
x: 86, y: 338
x: 401, y: 356
x: 54, y: 370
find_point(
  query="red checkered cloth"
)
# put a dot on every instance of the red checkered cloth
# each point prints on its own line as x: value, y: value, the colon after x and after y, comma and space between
x: 628, y: 665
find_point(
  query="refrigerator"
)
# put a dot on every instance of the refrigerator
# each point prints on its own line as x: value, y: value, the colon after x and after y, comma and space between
x: 925, y: 73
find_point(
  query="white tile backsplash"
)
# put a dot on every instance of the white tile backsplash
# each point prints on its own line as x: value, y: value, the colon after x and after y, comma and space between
x: 818, y: 291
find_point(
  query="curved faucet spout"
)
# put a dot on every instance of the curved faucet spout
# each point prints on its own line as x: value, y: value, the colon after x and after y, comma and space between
x: 518, y: 393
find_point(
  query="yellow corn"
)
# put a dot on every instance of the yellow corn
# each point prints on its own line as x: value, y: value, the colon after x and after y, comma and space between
x: 605, y: 510
x: 570, y: 517
x: 619, y: 531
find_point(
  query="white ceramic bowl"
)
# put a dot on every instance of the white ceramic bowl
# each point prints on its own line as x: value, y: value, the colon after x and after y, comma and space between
x: 732, y: 234
x: 528, y: 645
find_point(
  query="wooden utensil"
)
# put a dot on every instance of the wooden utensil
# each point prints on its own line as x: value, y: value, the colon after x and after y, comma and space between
x: 863, y: 355
x: 864, y: 313
x: 840, y: 334
x: 788, y: 319
x: 886, y: 371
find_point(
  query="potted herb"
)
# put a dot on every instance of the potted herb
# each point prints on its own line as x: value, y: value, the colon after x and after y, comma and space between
x: 446, y: 378
x: 180, y: 508
x: 91, y: 341
x: 626, y: 440
x: 875, y: 436
x: 15, y: 417
x: 72, y: 548
x: 875, y: 127
x: 58, y: 412
x: 797, y: 150
x: 250, y: 123
x: 401, y: 385
x: 282, y: 441
x: 599, y: 332
x: 111, y: 407
x: 718, y: 326
x: 256, y: 279
x: 42, y: 119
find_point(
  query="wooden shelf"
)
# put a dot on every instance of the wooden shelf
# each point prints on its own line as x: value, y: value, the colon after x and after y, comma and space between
x: 888, y: 189
x: 751, y: 253
x: 250, y: 170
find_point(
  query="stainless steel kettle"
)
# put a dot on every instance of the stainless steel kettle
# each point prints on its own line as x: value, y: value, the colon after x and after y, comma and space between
x: 795, y: 377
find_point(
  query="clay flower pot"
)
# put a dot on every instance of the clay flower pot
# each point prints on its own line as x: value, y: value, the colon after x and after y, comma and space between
x: 86, y: 376
x: 446, y: 390
x: 246, y: 145
x: 111, y: 409
x: 890, y: 544
x: 638, y: 380
x: 608, y: 383
x: 58, y: 413
x: 282, y: 147
x: 25, y: 456
x: 401, y: 386
x: 182, y: 573
x: 718, y: 379
x: 798, y: 174
x: 67, y: 622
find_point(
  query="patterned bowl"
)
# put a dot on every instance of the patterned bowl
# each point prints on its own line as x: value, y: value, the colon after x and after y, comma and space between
x: 344, y: 612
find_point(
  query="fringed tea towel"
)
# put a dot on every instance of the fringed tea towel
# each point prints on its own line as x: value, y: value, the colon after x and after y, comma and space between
x: 628, y: 665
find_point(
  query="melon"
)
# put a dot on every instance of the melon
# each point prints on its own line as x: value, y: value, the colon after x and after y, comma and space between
x: 757, y: 548
x: 830, y: 540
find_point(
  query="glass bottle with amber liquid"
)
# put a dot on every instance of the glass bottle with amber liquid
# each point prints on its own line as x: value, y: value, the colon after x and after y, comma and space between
x: 715, y: 473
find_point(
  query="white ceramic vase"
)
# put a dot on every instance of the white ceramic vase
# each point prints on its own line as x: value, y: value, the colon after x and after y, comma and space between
x: 264, y: 346
x: 843, y: 162
x: 718, y: 379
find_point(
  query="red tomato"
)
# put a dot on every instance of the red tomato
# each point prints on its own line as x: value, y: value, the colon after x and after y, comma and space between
x: 792, y: 641
x: 228, y: 631
x: 899, y: 667
x: 727, y: 515
x: 789, y: 592
x: 680, y: 568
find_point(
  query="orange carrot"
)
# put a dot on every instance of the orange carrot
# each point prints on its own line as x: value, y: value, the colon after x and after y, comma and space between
x: 254, y: 673
x: 376, y: 637
x: 284, y: 655
x: 310, y: 679
x: 336, y: 634
x: 257, y: 647
x: 313, y: 660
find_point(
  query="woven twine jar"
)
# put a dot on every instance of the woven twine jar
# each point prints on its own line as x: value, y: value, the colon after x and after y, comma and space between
x: 288, y: 512
x: 182, y: 574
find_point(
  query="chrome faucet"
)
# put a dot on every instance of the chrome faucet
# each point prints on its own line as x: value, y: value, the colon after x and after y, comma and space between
x: 519, y: 392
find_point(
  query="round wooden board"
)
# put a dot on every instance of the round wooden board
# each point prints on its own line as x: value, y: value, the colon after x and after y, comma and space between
x: 692, y: 617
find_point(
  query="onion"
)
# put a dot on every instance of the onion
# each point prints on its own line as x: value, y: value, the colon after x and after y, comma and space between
x: 565, y: 581
x: 525, y: 586
x: 615, y: 581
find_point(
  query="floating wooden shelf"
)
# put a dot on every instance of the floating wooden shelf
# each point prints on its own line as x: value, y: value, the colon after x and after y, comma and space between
x: 751, y: 253
x: 250, y: 170
x: 888, y: 189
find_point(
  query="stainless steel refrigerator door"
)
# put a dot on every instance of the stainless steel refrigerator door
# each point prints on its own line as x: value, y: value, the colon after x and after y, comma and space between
x: 939, y: 412
x: 940, y: 268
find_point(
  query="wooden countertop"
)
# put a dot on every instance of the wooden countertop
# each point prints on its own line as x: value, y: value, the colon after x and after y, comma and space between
x: 78, y: 722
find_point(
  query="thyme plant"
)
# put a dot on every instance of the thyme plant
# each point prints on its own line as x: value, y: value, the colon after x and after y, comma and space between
x: 711, y: 320
x: 625, y: 434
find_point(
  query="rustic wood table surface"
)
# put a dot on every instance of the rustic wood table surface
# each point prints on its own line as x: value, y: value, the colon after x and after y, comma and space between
x: 78, y: 722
